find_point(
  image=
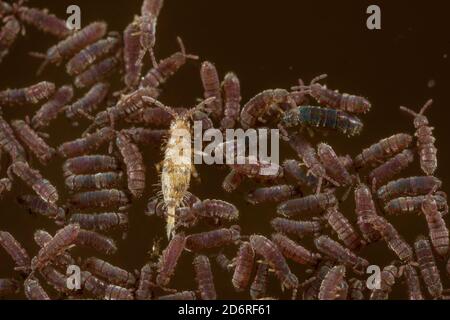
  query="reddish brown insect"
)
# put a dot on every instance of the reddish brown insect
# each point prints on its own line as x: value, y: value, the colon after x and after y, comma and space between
x: 186, y: 218
x: 356, y: 289
x: 70, y: 46
x: 96, y: 241
x: 204, y: 118
x: 211, y: 87
x: 86, y: 145
x: 213, y: 211
x: 224, y: 263
x: 309, y: 157
x: 30, y: 138
x: 5, y: 9
x: 99, y: 199
x: 438, y: 231
x: 255, y: 109
x: 9, y: 143
x: 169, y: 259
x: 365, y: 209
x: 258, y: 287
x: 133, y: 66
x: 329, y: 288
x: 212, y: 239
x: 98, y: 181
x: 89, y: 102
x: 33, y: 289
x: 42, y: 237
x: 333, y: 165
x: 344, y: 230
x: 382, y: 150
x: 232, y: 93
x: 334, y: 99
x: 204, y: 278
x: 387, y: 281
x: 5, y: 186
x: 312, y: 204
x: 145, y: 136
x: 114, y: 292
x: 128, y: 104
x: 427, y: 266
x: 89, y: 164
x: 92, y: 53
x: 34, y: 180
x: 217, y: 209
x: 26, y: 96
x: 167, y: 67
x: 346, y: 161
x: 55, y: 279
x: 393, y: 239
x: 291, y: 250
x: 154, y: 206
x: 314, y: 283
x: 412, y: 282
x: 260, y: 169
x: 109, y: 272
x: 337, y: 252
x: 93, y: 285
x: 8, y: 35
x: 425, y: 139
x: 411, y: 186
x: 36, y: 205
x: 183, y: 295
x: 50, y: 110
x: 232, y: 181
x: 44, y: 21
x: 147, y: 27
x: 9, y: 287
x: 134, y: 163
x: 385, y: 172
x: 97, y: 72
x: 270, y: 252
x: 62, y: 240
x: 154, y: 117
x: 63, y: 260
x: 145, y: 284
x: 15, y: 251
x: 297, y: 228
x: 294, y: 170
x: 414, y: 204
x: 343, y: 289
x: 244, y: 262
x: 272, y: 194
x: 105, y: 221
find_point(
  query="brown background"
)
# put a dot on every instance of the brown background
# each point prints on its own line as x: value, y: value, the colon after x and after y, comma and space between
x: 269, y: 45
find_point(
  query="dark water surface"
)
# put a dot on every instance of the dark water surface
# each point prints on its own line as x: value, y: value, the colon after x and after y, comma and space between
x: 269, y: 44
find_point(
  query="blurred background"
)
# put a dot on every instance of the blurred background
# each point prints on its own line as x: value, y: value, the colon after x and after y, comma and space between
x: 268, y: 45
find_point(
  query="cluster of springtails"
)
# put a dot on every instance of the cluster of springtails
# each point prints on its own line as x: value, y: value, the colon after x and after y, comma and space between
x: 102, y: 186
